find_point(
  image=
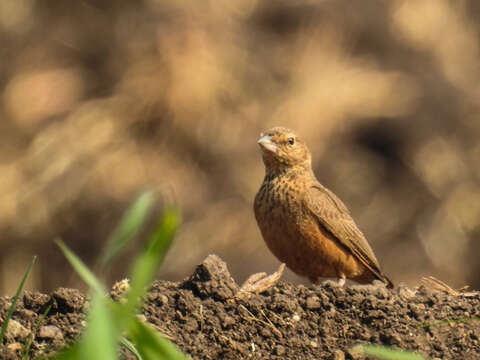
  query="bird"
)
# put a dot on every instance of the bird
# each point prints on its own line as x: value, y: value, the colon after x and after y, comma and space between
x: 304, y: 224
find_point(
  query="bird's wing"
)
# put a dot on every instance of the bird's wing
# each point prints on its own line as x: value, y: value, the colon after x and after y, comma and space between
x: 334, y: 216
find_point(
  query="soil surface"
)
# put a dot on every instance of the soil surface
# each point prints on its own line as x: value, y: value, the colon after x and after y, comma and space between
x: 205, y: 319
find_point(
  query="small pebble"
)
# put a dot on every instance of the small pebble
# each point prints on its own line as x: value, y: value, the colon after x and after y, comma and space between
x: 15, y: 330
x: 15, y: 346
x: 228, y: 321
x: 50, y: 332
x: 163, y: 299
x: 279, y: 350
x: 313, y: 303
x: 338, y: 355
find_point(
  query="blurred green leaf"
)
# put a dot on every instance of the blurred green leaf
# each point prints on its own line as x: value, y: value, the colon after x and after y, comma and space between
x: 70, y: 353
x: 99, y: 341
x: 82, y: 269
x: 386, y: 353
x: 100, y: 338
x: 108, y: 319
x: 15, y: 299
x: 129, y: 226
x: 148, y: 262
x: 151, y: 345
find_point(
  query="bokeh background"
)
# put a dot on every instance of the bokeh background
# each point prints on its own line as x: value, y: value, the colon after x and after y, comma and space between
x: 100, y: 99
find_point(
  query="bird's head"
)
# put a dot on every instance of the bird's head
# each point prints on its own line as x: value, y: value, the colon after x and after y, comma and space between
x: 283, y: 149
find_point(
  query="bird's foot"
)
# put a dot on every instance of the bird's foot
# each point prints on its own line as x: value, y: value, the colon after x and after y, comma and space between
x: 340, y: 282
x: 259, y: 282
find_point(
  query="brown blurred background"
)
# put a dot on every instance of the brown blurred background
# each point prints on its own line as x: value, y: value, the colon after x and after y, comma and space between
x: 101, y: 99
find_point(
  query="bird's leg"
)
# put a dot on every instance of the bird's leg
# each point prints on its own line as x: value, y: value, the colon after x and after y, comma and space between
x: 340, y: 282
x: 259, y: 282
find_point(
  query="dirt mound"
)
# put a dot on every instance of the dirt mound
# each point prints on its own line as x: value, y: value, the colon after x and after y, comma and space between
x: 203, y: 317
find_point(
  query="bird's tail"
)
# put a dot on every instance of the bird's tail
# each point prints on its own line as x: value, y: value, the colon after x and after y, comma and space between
x: 387, y: 281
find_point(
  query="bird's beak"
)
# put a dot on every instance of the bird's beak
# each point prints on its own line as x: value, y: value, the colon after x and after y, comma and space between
x: 266, y: 143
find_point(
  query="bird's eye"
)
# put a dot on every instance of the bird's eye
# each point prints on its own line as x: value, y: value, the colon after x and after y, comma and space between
x: 291, y: 141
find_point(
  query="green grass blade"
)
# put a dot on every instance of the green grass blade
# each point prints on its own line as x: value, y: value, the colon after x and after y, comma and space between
x: 99, y: 341
x: 81, y: 269
x: 15, y: 299
x: 146, y: 265
x: 151, y: 345
x: 70, y: 353
x: 386, y: 353
x: 100, y: 338
x: 438, y: 323
x: 108, y: 319
x: 28, y: 344
x: 131, y: 347
x: 131, y: 222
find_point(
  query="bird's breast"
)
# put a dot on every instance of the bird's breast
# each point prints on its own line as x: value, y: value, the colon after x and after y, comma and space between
x: 278, y: 200
x: 279, y: 213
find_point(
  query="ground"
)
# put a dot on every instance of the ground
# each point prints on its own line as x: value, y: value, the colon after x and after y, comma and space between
x: 205, y: 319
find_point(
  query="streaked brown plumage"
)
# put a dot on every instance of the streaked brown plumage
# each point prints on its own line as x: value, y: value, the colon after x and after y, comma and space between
x: 303, y: 223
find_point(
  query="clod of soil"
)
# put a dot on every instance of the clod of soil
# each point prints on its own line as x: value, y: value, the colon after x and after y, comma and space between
x: 203, y: 317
